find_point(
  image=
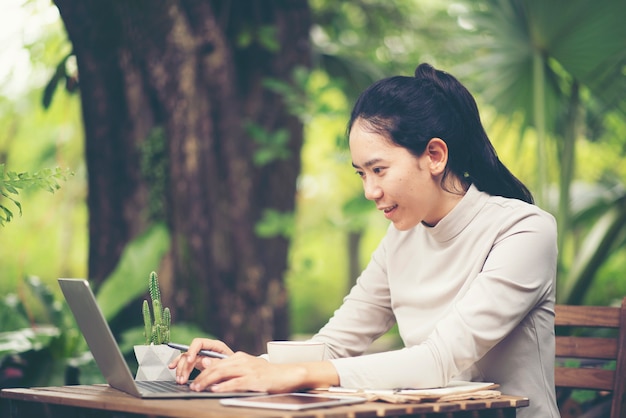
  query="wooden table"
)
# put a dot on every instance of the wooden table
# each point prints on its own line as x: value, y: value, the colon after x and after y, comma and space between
x: 103, y: 401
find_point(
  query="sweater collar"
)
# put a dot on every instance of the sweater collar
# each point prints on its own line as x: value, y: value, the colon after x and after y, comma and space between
x: 459, y: 217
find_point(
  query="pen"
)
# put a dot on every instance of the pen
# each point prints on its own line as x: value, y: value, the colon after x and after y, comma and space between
x: 207, y: 353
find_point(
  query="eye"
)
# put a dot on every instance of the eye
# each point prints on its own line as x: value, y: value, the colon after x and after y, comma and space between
x: 359, y: 173
x: 377, y: 170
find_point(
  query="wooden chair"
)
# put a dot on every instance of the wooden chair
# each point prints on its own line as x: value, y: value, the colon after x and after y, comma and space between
x: 603, y: 347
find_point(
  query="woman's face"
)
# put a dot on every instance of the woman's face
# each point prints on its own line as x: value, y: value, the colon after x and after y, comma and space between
x: 404, y: 187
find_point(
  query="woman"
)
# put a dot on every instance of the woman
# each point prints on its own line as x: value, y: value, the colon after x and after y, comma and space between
x: 466, y: 269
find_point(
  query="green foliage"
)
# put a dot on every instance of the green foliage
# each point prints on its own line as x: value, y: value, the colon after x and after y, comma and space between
x: 13, y: 315
x: 306, y: 93
x: 560, y: 74
x: 50, y: 239
x: 154, y: 169
x: 41, y: 335
x: 41, y: 332
x: 275, y: 223
x: 266, y: 36
x: 357, y: 211
x: 602, y: 222
x: 26, y: 339
x: 361, y: 41
x: 11, y: 182
x: 157, y: 325
x: 125, y: 283
x: 61, y: 73
x: 272, y: 146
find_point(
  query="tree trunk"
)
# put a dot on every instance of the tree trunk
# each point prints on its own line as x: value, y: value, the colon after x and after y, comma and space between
x: 188, y: 76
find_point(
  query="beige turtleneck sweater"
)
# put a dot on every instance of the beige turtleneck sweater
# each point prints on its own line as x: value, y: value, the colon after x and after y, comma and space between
x: 473, y: 298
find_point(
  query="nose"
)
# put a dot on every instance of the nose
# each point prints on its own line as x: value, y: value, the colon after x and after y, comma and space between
x: 372, y: 189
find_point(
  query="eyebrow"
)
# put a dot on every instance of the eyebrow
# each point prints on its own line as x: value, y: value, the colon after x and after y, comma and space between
x: 369, y: 163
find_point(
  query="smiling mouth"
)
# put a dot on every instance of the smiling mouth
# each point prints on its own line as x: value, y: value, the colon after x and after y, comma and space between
x: 389, y: 209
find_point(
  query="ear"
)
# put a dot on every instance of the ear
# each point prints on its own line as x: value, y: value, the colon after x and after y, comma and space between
x: 437, y: 152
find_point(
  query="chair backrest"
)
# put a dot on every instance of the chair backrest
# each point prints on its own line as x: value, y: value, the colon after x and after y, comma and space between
x: 610, y: 346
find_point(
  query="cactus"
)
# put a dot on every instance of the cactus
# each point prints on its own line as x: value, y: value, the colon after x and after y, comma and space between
x: 157, y: 325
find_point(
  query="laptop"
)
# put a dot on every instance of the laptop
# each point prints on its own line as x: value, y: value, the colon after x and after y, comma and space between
x: 108, y: 356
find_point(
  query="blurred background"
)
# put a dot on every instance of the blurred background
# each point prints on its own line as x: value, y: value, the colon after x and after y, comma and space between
x: 206, y: 141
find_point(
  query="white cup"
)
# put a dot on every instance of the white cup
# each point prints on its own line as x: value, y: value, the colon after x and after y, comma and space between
x: 295, y: 351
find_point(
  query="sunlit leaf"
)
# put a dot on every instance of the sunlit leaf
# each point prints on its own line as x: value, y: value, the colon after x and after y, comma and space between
x: 27, y: 339
x: 129, y: 280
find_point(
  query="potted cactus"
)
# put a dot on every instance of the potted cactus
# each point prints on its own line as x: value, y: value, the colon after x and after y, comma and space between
x: 154, y: 356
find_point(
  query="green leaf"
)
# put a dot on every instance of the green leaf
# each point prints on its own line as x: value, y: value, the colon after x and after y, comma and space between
x: 272, y: 146
x: 8, y: 215
x: 13, y: 314
x: 268, y: 38
x: 51, y: 309
x: 597, y: 247
x: 128, y: 281
x: 10, y: 182
x: 60, y: 73
x: 9, y: 188
x: 275, y: 223
x: 588, y: 39
x: 27, y: 339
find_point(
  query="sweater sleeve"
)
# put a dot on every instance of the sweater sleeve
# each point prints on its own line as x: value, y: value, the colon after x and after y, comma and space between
x: 365, y: 314
x: 516, y: 277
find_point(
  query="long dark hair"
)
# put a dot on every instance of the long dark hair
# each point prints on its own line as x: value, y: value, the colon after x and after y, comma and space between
x: 410, y: 111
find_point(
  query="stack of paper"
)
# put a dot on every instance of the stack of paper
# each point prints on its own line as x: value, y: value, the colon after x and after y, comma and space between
x: 455, y: 390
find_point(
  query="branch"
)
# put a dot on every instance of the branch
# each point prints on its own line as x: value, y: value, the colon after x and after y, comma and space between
x: 11, y: 183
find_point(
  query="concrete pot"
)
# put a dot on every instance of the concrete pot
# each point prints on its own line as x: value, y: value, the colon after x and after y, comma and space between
x: 153, y: 361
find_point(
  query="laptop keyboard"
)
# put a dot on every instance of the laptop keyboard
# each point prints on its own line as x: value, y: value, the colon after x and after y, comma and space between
x: 161, y: 386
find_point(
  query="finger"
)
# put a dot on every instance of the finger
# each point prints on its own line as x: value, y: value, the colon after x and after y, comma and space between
x: 239, y: 384
x: 204, y: 363
x: 215, y: 371
x: 239, y: 372
x: 196, y: 345
x: 174, y: 362
x: 184, y: 369
x: 202, y: 381
x: 217, y: 346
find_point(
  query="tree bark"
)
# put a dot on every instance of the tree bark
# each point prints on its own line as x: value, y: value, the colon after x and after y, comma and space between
x: 195, y: 70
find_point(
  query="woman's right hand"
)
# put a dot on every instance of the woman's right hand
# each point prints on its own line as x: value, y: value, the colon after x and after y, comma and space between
x: 186, y: 362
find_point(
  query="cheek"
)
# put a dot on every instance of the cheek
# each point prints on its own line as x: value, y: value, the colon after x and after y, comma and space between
x: 410, y: 183
x: 414, y: 190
